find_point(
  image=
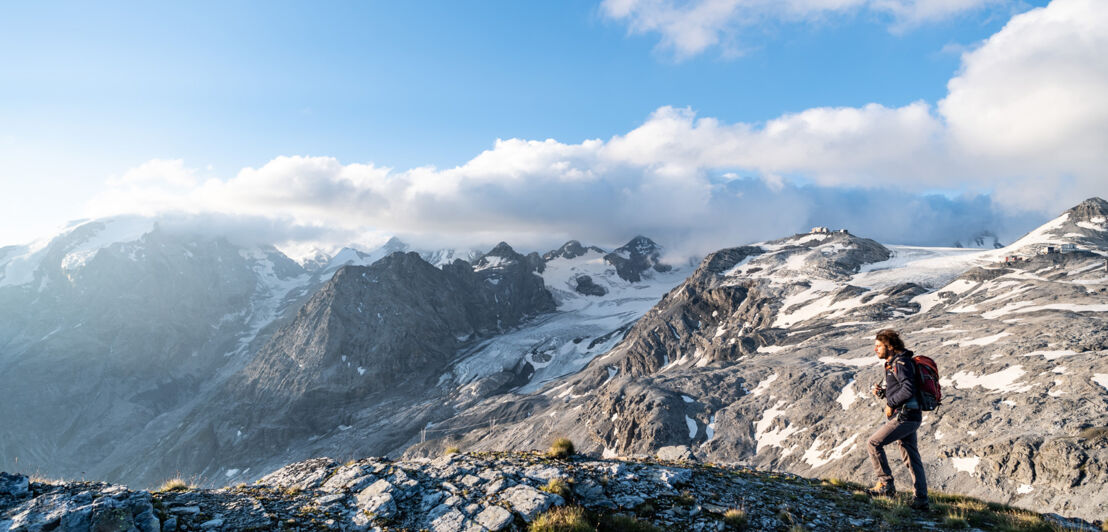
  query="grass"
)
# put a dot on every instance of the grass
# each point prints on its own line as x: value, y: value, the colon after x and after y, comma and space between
x: 578, y: 519
x: 558, y: 487
x: 175, y: 484
x: 562, y: 519
x: 452, y: 450
x: 686, y: 498
x: 735, y: 519
x: 561, y: 448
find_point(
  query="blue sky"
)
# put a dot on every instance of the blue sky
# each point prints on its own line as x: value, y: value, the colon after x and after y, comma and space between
x: 90, y: 92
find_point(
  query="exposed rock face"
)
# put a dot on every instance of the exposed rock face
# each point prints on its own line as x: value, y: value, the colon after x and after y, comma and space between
x: 134, y: 318
x: 636, y: 257
x: 376, y: 337
x: 586, y: 286
x: 570, y: 250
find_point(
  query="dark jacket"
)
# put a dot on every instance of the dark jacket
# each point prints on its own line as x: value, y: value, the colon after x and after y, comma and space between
x: 900, y: 382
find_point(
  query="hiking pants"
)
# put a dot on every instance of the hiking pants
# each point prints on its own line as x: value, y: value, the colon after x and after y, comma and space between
x: 903, y: 432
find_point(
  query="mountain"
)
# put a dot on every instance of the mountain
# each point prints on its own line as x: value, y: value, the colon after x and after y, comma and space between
x: 115, y: 322
x: 381, y: 354
x: 763, y: 356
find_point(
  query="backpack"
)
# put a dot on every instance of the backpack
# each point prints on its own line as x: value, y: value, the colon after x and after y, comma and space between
x: 930, y: 394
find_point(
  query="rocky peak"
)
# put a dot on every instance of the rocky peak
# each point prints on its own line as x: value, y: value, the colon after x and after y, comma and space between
x: 636, y: 258
x: 640, y: 245
x: 393, y: 245
x: 570, y: 250
x: 1094, y: 210
x: 498, y: 257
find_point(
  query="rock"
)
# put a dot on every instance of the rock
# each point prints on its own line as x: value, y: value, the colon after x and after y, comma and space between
x: 301, y: 475
x: 495, y: 486
x: 586, y: 286
x: 452, y: 521
x: 542, y: 473
x: 528, y: 502
x: 14, y: 485
x: 344, y: 477
x: 431, y: 500
x: 676, y: 453
x: 494, y: 518
x: 328, y: 499
x: 376, y: 489
x: 672, y: 478
x: 147, y: 522
x: 589, y: 491
x: 214, y: 523
x: 383, y: 505
x: 170, y: 525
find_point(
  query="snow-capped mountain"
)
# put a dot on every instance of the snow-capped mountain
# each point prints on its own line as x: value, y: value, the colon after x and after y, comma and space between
x: 114, y: 322
x: 381, y: 354
x: 764, y: 356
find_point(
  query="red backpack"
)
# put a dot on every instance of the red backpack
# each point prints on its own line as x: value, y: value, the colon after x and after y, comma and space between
x: 927, y: 376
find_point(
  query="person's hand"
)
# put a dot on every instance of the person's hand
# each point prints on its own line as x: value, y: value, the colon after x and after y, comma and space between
x: 878, y: 391
x: 888, y: 411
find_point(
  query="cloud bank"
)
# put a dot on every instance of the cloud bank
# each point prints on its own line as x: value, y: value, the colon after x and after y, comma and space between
x: 1019, y: 137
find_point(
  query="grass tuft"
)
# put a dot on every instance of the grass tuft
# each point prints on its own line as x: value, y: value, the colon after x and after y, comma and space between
x: 562, y: 519
x: 452, y: 450
x: 558, y: 487
x: 735, y: 519
x: 175, y: 484
x: 561, y: 448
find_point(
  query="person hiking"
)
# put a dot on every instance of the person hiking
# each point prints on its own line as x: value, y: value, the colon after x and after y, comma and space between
x: 903, y: 414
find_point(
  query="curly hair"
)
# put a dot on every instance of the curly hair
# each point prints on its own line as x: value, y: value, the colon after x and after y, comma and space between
x: 890, y: 338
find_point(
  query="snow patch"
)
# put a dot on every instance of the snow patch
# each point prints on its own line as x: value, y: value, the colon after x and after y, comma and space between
x: 856, y: 362
x: 817, y: 458
x: 692, y: 426
x: 775, y: 437
x: 1101, y: 379
x: 967, y: 464
x: 1001, y: 381
x: 1024, y: 489
x: 848, y: 395
x: 988, y: 340
x: 764, y: 385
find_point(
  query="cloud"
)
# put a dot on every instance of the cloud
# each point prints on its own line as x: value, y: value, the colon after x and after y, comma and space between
x: 169, y: 171
x: 1029, y: 105
x: 1018, y: 138
x: 689, y: 28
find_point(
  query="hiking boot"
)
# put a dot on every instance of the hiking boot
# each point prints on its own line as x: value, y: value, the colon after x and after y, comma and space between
x: 882, y: 490
x: 921, y: 504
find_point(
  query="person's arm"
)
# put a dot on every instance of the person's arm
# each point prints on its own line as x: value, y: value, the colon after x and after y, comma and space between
x: 906, y: 383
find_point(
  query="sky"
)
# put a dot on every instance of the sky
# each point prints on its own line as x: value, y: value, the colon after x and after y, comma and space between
x: 701, y: 123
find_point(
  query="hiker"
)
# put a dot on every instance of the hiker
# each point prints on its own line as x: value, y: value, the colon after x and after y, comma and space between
x: 903, y: 413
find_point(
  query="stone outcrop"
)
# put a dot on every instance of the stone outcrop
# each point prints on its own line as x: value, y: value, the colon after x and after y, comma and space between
x: 462, y: 492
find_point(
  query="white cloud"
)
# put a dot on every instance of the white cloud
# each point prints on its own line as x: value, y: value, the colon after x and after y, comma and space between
x: 689, y: 28
x: 1031, y: 104
x: 1026, y: 118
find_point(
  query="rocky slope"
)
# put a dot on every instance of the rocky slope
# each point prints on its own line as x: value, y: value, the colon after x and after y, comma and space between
x: 764, y: 355
x: 114, y: 323
x: 384, y: 354
x: 492, y: 492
